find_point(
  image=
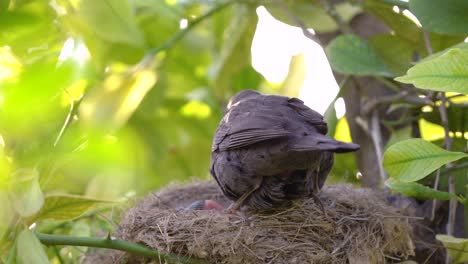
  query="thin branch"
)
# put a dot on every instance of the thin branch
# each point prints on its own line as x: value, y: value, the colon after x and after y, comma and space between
x: 181, y: 34
x: 403, y: 96
x: 110, y: 243
x: 74, y: 105
x: 376, y: 136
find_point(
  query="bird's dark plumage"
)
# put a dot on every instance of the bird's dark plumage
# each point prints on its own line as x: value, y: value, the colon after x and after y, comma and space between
x: 271, y: 149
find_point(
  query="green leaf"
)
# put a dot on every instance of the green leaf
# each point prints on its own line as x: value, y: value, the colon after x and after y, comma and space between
x: 25, y: 192
x: 64, y: 207
x: 111, y: 20
x: 235, y: 53
x: 395, y: 53
x: 314, y: 16
x: 413, y: 159
x: 414, y: 189
x: 447, y: 72
x: 401, y: 25
x: 350, y: 54
x: 111, y: 103
x: 456, y: 247
x: 29, y: 249
x: 448, y: 17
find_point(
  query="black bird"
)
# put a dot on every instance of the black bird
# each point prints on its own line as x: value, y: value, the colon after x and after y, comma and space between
x: 269, y: 150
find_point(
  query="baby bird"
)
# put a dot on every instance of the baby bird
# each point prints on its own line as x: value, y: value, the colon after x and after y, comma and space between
x: 269, y: 150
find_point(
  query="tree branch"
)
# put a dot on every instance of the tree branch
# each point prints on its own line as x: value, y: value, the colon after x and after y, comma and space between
x: 148, y: 58
x: 108, y: 242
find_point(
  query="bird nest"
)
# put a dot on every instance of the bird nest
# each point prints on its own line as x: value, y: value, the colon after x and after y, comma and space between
x: 358, y: 226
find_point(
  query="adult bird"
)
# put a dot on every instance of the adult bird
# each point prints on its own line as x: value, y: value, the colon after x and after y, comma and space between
x: 269, y: 150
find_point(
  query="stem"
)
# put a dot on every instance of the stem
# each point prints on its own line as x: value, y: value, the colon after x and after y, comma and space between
x: 107, y: 242
x: 376, y: 136
x: 180, y: 34
x: 399, y: 3
x: 448, y: 146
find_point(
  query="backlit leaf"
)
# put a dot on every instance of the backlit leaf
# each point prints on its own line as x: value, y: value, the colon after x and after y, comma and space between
x: 447, y: 72
x: 25, y: 192
x: 414, y: 189
x: 413, y: 159
x: 64, y: 207
x: 456, y: 247
x: 29, y: 249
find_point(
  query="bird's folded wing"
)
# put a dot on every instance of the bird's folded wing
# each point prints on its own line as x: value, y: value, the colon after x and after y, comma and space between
x: 308, y: 114
x: 248, y: 137
x: 318, y: 141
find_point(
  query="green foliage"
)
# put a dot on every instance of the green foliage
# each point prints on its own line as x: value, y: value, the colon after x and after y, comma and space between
x: 314, y: 16
x: 25, y: 192
x: 447, y: 72
x: 414, y: 189
x: 140, y: 110
x: 447, y: 17
x: 349, y: 54
x: 413, y: 159
x: 64, y: 207
x: 456, y: 247
x: 29, y: 249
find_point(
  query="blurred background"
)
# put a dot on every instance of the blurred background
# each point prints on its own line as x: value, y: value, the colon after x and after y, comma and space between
x: 115, y: 98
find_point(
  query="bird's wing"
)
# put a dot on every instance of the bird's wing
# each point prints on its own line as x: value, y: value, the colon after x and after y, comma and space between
x: 309, y: 115
x: 248, y: 127
x: 251, y: 136
x: 321, y: 142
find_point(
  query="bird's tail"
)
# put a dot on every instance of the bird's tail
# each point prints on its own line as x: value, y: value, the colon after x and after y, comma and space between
x: 321, y: 142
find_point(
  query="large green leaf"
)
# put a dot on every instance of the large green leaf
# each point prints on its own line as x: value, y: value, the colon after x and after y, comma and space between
x: 447, y: 72
x: 395, y: 53
x: 413, y: 159
x: 350, y: 54
x: 414, y: 189
x: 64, y: 207
x: 442, y: 16
x: 29, y: 249
x: 456, y: 247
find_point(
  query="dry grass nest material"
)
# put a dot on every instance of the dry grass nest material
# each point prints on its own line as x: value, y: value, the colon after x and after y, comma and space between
x: 359, y: 227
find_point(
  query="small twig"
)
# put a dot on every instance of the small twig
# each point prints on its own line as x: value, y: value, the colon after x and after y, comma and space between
x: 402, y: 96
x: 427, y: 42
x: 297, y: 21
x: 74, y: 105
x: 435, y: 201
x: 376, y: 136
x: 107, y: 242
